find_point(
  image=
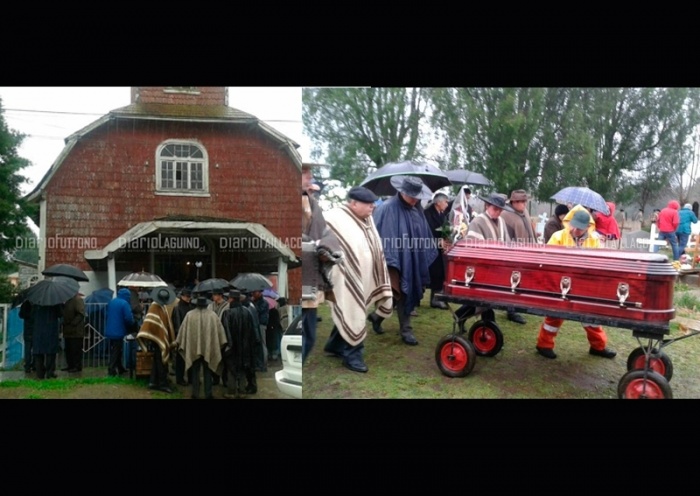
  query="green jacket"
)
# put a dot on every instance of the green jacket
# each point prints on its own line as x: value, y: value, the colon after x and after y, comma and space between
x: 74, y: 318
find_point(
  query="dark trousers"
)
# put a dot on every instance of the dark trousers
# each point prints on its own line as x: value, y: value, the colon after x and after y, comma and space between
x: 336, y: 344
x: 197, y: 365
x: 74, y: 353
x: 28, y: 356
x: 45, y: 365
x: 116, y: 352
x: 308, y: 332
x: 180, y: 370
x: 405, y: 327
x: 235, y: 377
x: 159, y: 371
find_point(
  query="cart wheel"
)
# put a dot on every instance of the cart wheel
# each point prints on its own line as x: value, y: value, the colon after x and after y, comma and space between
x: 658, y: 362
x: 641, y: 385
x: 455, y: 356
x: 486, y: 337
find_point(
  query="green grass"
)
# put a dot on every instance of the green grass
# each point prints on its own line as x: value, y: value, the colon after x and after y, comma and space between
x: 517, y: 371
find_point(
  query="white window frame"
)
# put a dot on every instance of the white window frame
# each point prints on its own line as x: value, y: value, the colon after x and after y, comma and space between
x: 188, y: 162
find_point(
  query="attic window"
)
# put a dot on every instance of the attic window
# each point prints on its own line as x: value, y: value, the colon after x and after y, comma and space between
x: 182, y: 168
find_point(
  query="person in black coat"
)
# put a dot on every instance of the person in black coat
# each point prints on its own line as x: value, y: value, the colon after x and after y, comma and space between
x: 183, y: 306
x: 240, y: 354
x: 436, y: 215
x: 26, y: 314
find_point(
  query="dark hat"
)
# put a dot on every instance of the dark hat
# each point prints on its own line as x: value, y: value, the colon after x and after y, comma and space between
x: 495, y: 199
x: 411, y: 186
x: 518, y: 195
x: 202, y: 301
x: 561, y: 210
x: 163, y: 295
x: 580, y: 220
x: 218, y: 291
x: 362, y: 194
x: 185, y: 292
x: 234, y: 294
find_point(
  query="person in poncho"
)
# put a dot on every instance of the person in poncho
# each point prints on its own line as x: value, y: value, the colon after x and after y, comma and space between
x: 361, y: 282
x: 158, y: 335
x: 409, y: 249
x: 200, y: 341
x: 240, y: 353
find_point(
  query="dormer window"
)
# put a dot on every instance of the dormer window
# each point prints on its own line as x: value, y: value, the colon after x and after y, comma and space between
x: 182, y: 168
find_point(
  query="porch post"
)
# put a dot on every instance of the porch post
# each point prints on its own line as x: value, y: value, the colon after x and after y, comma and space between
x: 111, y: 273
x: 282, y: 278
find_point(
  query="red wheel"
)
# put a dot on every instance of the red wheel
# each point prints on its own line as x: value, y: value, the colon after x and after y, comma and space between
x: 486, y: 337
x: 643, y: 385
x: 658, y: 362
x: 455, y: 356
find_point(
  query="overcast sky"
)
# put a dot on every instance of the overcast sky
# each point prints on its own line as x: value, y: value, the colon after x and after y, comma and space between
x: 47, y: 115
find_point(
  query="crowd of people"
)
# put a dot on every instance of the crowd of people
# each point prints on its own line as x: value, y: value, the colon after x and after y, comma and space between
x: 374, y: 257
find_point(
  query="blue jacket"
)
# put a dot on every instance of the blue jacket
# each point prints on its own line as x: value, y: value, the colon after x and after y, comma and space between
x: 119, y: 315
x: 687, y: 217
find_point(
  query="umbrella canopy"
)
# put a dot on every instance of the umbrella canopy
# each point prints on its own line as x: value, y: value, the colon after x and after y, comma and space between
x: 53, y: 291
x: 581, y: 195
x: 270, y: 293
x: 103, y: 295
x: 67, y: 271
x: 380, y: 180
x: 142, y: 280
x: 213, y: 284
x: 251, y: 281
x: 464, y: 176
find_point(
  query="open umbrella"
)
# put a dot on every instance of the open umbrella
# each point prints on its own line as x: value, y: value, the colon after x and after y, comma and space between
x: 142, y: 280
x: 251, y: 281
x: 54, y: 291
x: 213, y: 284
x: 464, y: 176
x: 581, y: 195
x: 380, y: 180
x: 103, y: 295
x: 66, y: 271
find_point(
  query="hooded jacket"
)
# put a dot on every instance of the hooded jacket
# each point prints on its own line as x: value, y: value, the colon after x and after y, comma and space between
x: 607, y: 224
x: 687, y: 217
x: 119, y: 315
x: 564, y: 237
x: 669, y: 220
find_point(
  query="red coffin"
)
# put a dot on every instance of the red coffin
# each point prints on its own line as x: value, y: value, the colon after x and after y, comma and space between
x: 619, y: 288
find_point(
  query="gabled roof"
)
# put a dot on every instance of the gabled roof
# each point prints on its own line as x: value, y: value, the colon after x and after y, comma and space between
x: 169, y: 112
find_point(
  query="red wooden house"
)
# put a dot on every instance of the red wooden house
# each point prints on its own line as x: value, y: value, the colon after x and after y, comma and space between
x: 175, y: 178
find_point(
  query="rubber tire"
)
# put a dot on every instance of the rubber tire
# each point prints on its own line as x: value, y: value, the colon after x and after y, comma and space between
x: 634, y: 382
x: 486, y: 337
x: 455, y: 356
x: 659, y: 362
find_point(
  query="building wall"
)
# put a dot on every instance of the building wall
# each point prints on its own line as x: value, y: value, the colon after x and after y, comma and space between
x: 178, y: 95
x: 107, y: 185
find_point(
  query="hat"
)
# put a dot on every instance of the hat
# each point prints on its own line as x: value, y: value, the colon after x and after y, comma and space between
x: 218, y: 291
x: 185, y: 292
x: 362, y: 194
x: 688, y: 206
x: 561, y: 210
x: 580, y: 220
x: 518, y: 195
x: 234, y: 294
x: 411, y: 186
x: 163, y: 295
x: 202, y: 301
x: 494, y: 199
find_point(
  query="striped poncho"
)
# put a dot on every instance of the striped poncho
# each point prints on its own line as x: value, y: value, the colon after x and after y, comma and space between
x: 158, y: 328
x: 362, y: 279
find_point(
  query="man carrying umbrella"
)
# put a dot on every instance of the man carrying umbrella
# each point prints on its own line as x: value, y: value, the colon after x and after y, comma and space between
x: 409, y: 249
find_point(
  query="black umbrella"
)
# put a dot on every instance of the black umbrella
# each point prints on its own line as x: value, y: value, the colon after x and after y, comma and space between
x: 53, y: 291
x: 251, y: 281
x: 66, y: 271
x: 380, y: 180
x: 142, y: 280
x: 464, y: 176
x: 213, y: 284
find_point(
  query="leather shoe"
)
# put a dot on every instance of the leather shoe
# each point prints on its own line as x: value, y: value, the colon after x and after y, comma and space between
x: 605, y: 353
x: 409, y: 340
x: 376, y: 323
x: 438, y: 304
x: 165, y: 389
x: 181, y: 383
x: 546, y: 352
x: 356, y: 367
x: 516, y: 317
x: 414, y: 314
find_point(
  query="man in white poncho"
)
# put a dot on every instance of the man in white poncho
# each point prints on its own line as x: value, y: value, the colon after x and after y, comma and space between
x: 361, y: 281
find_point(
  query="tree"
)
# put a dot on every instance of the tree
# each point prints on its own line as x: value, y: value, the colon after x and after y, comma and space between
x: 14, y: 210
x: 361, y: 128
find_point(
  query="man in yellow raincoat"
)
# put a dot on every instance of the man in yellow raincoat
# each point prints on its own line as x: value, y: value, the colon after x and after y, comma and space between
x: 579, y: 231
